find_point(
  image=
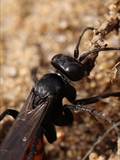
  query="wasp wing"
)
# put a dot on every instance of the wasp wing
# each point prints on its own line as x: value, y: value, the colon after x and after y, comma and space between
x: 24, y: 127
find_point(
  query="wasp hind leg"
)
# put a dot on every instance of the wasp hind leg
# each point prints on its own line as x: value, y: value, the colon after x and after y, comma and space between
x: 10, y: 112
x: 49, y: 132
x: 64, y: 118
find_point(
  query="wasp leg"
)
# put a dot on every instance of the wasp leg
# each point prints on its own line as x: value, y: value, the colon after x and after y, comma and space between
x: 10, y: 112
x: 94, y: 99
x: 95, y: 51
x: 91, y: 111
x: 50, y: 132
x: 79, y: 105
x: 63, y: 118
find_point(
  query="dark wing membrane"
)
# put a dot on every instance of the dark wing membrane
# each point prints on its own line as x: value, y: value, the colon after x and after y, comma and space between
x: 25, y: 126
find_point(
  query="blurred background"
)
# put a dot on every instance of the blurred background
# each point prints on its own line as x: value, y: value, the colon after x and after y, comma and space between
x: 32, y: 32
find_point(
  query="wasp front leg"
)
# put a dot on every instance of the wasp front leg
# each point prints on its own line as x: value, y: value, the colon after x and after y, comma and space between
x: 88, y: 59
x: 94, y: 99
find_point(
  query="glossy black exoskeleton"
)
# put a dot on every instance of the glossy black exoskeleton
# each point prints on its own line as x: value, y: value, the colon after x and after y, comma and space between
x: 44, y: 109
x: 55, y: 86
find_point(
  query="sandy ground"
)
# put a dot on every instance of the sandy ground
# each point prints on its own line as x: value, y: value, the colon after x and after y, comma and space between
x: 32, y: 32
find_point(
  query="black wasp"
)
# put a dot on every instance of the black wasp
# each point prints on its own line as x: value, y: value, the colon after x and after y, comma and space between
x: 43, y: 108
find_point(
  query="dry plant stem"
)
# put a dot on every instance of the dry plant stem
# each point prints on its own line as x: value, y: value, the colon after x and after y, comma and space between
x: 107, y: 27
x: 103, y: 31
x: 112, y: 23
x: 100, y: 139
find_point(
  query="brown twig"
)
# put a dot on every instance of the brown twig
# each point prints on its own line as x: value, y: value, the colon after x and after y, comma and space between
x: 100, y: 139
x: 112, y: 23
